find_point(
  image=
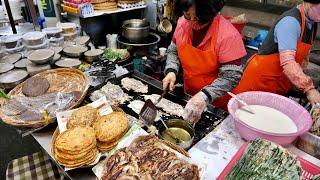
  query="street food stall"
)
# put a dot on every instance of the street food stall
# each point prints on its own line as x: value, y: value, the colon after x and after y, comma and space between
x: 102, y: 113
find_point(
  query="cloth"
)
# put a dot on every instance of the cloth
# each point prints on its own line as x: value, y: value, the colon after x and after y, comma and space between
x: 172, y: 62
x: 228, y: 78
x: 287, y: 32
x: 37, y: 166
x: 226, y: 48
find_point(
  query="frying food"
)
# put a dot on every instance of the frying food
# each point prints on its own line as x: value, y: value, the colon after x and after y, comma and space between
x: 136, y: 106
x: 148, y: 158
x: 315, y: 113
x: 84, y: 116
x: 265, y: 160
x: 113, y: 93
x: 168, y: 106
x: 76, y: 147
x: 35, y: 86
x: 109, y: 129
x: 133, y: 84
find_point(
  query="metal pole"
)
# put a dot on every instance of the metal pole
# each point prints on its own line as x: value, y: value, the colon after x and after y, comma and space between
x: 13, y: 27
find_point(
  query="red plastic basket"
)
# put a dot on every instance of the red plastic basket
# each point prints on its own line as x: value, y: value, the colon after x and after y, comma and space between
x: 308, y: 169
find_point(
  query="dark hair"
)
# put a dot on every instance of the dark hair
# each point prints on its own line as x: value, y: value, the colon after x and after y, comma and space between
x: 313, y: 1
x: 206, y: 10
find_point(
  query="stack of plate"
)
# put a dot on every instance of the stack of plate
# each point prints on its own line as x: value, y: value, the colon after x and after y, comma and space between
x: 12, y: 43
x: 105, y: 5
x: 35, y: 40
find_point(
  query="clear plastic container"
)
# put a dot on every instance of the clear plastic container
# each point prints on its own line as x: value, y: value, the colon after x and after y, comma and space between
x: 15, y: 50
x: 44, y: 45
x: 11, y: 41
x: 34, y: 38
x: 67, y: 28
x: 70, y: 36
x: 53, y: 32
x: 57, y: 41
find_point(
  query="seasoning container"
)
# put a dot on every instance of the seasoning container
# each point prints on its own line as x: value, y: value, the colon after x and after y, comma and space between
x: 34, y: 38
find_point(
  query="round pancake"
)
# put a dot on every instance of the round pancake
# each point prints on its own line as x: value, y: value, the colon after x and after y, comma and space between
x: 75, y: 139
x: 35, y: 86
x: 106, y: 147
x: 111, y: 127
x: 84, y: 116
x: 71, y: 164
x: 80, y: 156
x: 71, y: 152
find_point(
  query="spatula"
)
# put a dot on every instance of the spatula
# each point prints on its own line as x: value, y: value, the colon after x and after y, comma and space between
x: 241, y: 102
x: 148, y: 113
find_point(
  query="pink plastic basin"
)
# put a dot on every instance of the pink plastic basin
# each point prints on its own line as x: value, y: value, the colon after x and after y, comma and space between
x: 295, y: 111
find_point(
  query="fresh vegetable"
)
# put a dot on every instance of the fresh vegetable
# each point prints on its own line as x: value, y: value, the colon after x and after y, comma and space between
x: 264, y: 160
x: 4, y: 95
x: 114, y: 54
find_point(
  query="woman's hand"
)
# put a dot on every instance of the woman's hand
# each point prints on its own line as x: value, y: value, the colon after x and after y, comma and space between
x: 169, y: 81
x: 313, y: 96
x: 194, y: 108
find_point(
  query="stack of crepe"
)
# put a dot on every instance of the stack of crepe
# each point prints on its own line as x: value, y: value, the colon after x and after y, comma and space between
x: 109, y: 129
x: 106, y: 5
x: 128, y: 1
x: 76, y: 147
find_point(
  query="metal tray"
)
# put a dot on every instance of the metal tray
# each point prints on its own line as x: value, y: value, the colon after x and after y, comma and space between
x: 210, y: 119
x: 310, y: 144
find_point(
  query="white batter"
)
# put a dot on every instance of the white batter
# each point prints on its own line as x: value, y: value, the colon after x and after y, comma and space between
x: 267, y: 119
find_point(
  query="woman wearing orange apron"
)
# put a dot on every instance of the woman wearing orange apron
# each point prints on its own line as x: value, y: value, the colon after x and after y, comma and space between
x: 278, y: 64
x: 209, y: 49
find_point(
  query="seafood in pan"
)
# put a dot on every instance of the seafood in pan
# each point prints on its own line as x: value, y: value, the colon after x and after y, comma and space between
x: 113, y: 93
x: 168, y: 106
x: 135, y: 85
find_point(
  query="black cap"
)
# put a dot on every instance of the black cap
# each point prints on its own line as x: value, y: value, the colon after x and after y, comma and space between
x: 313, y: 1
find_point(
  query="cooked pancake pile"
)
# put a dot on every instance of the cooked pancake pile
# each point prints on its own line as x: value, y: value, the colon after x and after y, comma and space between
x: 106, y: 5
x: 147, y: 158
x: 76, y: 147
x: 109, y: 129
x: 84, y: 116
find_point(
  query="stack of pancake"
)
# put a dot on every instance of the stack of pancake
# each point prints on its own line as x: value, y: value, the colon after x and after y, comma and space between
x: 76, y: 147
x: 128, y: 1
x: 84, y: 116
x: 109, y: 129
x: 106, y: 5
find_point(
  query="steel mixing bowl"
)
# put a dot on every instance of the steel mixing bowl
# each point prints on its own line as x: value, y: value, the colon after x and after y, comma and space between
x: 135, y: 30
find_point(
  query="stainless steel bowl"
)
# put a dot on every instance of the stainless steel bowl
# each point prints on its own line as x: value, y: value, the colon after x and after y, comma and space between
x: 135, y: 30
x: 179, y: 123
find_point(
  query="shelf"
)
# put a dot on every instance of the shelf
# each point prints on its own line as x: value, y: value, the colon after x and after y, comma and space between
x: 119, y: 10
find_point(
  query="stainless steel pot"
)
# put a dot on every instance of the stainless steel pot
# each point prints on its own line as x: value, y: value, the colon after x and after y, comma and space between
x: 135, y: 30
x: 179, y: 123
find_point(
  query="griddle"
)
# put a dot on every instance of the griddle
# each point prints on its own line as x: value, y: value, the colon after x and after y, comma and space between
x: 209, y: 120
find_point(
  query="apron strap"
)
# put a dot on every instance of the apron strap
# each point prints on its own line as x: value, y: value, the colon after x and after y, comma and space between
x: 303, y: 21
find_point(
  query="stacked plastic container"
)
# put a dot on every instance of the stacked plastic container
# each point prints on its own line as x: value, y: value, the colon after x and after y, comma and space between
x: 35, y: 40
x: 12, y: 43
x: 69, y: 31
x: 54, y: 35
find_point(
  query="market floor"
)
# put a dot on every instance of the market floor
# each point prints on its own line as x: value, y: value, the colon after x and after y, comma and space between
x: 13, y: 146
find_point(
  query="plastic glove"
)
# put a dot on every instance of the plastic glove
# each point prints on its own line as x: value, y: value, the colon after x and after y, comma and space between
x: 313, y: 96
x: 169, y: 81
x: 194, y: 108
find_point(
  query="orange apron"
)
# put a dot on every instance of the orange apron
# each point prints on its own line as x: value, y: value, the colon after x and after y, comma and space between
x: 200, y: 68
x: 264, y: 73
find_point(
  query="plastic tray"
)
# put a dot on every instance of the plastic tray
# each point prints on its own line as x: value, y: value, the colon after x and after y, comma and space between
x: 308, y: 169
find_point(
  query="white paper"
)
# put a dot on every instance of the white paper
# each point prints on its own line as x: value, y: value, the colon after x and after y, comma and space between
x: 101, y: 105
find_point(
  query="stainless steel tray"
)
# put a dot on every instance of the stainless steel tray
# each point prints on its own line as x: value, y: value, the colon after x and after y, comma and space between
x: 310, y: 144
